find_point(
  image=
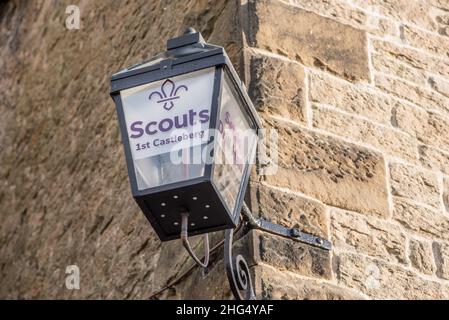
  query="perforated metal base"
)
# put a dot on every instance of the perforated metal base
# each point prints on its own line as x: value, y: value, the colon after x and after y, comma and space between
x: 207, y: 213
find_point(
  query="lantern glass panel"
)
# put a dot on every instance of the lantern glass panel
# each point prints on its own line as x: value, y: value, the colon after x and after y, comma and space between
x: 235, y: 145
x: 167, y: 123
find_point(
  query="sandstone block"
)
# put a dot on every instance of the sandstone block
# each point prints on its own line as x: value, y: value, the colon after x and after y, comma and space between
x: 347, y: 14
x: 435, y: 44
x: 314, y: 40
x: 434, y: 159
x: 275, y: 285
x: 294, y: 256
x: 442, y: 259
x: 335, y: 172
x: 421, y: 256
x: 426, y: 98
x: 368, y: 235
x: 412, y: 183
x: 413, y: 58
x: 383, y: 280
x: 420, y: 219
x: 428, y: 127
x: 385, y: 64
x: 421, y: 13
x: 440, y: 85
x: 277, y: 87
x: 389, y: 140
x: 351, y: 97
x: 446, y: 193
x: 289, y: 210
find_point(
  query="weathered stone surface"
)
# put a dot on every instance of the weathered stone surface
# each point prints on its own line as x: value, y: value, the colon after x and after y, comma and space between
x: 441, y: 251
x: 277, y: 87
x: 386, y: 139
x: 289, y: 210
x: 446, y: 193
x: 315, y: 41
x: 396, y: 67
x: 335, y: 172
x: 380, y: 279
x: 422, y: 96
x: 66, y: 199
x: 275, y: 285
x: 412, y: 57
x: 371, y: 236
x: 211, y: 286
x: 345, y: 13
x: 440, y: 85
x: 423, y: 13
x: 351, y: 97
x: 420, y: 219
x: 421, y: 256
x: 428, y: 127
x: 286, y: 254
x: 434, y: 159
x: 412, y: 183
x: 435, y: 44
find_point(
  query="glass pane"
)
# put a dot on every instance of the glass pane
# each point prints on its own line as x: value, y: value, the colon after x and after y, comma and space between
x: 235, y: 145
x: 167, y: 123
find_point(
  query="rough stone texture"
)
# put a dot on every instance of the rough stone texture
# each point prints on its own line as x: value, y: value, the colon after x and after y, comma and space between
x: 277, y: 87
x: 337, y: 173
x: 273, y: 284
x: 412, y: 57
x: 382, y: 280
x: 285, y: 254
x: 424, y: 13
x: 387, y: 139
x: 441, y: 251
x: 421, y: 256
x: 412, y: 183
x: 434, y: 159
x: 343, y: 12
x: 289, y: 210
x: 64, y: 194
x: 440, y: 85
x: 428, y: 127
x: 351, y: 98
x: 422, y: 96
x: 371, y: 236
x: 435, y: 44
x: 396, y: 67
x: 421, y: 220
x: 315, y: 41
x: 446, y: 193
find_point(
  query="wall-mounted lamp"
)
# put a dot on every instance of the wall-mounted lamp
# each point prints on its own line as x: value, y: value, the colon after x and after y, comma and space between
x: 189, y: 132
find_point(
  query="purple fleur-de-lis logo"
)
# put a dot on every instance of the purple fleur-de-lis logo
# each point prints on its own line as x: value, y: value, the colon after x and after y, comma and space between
x: 169, y: 92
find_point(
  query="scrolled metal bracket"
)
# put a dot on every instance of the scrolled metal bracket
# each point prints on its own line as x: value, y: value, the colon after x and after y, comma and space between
x: 237, y: 268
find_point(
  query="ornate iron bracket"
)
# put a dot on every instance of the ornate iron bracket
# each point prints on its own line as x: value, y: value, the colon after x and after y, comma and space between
x: 237, y: 268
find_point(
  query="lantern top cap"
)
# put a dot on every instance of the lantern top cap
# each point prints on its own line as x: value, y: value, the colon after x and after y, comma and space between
x: 190, y: 37
x: 189, y: 46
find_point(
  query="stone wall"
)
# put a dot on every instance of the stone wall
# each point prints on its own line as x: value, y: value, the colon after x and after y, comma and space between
x: 357, y: 89
x: 358, y: 92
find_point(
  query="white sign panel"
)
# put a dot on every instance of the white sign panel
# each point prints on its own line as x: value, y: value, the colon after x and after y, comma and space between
x: 170, y: 114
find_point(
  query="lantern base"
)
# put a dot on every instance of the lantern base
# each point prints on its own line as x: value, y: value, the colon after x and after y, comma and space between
x: 207, y: 212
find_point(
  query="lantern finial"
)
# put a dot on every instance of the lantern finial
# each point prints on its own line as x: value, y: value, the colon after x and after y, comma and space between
x: 189, y: 30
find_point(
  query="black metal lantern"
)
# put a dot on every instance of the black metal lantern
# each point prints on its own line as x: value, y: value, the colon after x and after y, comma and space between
x: 190, y: 133
x: 178, y: 114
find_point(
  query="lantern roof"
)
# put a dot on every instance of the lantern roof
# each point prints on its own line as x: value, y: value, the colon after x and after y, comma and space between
x: 184, y: 54
x: 188, y: 47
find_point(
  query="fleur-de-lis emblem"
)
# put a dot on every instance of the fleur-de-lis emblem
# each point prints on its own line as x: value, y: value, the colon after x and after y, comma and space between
x: 169, y: 92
